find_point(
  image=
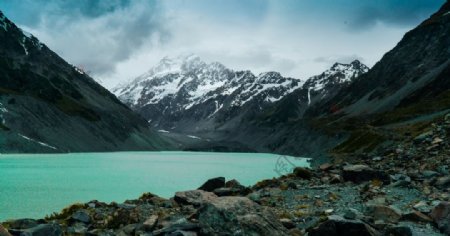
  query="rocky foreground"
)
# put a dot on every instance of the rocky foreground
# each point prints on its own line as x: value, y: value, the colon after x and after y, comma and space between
x: 402, y: 189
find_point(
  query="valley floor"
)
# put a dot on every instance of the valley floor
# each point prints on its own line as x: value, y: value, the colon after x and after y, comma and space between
x: 403, y: 190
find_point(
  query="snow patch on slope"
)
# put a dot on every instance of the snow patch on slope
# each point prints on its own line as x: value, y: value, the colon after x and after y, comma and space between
x: 3, y: 110
x: 3, y: 23
x: 38, y: 142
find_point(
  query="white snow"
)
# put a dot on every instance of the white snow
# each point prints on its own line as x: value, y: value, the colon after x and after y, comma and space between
x: 23, y: 45
x: 35, y: 141
x: 170, y: 76
x: 347, y: 72
x: 218, y: 107
x: 447, y: 13
x: 80, y: 71
x: 2, y: 111
x: 27, y: 34
x: 309, y: 96
x: 3, y: 23
x: 163, y: 131
x: 194, y: 137
x: 265, y: 82
x: 2, y: 108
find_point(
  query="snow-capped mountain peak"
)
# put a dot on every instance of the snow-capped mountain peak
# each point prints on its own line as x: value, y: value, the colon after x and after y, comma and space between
x: 339, y: 73
x: 188, y: 75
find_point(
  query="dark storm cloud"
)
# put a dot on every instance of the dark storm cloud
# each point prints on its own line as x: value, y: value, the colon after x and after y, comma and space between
x: 94, y: 34
x: 393, y: 12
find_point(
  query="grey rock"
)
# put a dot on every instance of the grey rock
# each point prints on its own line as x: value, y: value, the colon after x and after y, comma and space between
x: 77, y: 228
x: 416, y: 216
x: 400, y: 177
x: 150, y: 223
x: 336, y: 226
x: 238, y: 215
x: 178, y: 227
x: 384, y: 213
x: 289, y: 224
x: 212, y: 184
x: 443, y: 170
x: 182, y: 233
x: 81, y: 216
x: 363, y: 173
x: 43, y: 230
x: 399, y: 231
x: 352, y: 214
x: 129, y: 229
x: 233, y: 184
x: 443, y: 182
x: 22, y: 224
x: 194, y: 197
x: 441, y: 216
x: 126, y: 206
x: 428, y: 174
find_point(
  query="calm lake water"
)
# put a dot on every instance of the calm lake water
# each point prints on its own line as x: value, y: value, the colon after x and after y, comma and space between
x: 34, y: 185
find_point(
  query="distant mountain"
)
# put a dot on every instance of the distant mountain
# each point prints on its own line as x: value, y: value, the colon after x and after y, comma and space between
x: 48, y: 105
x: 188, y: 96
x: 188, y: 89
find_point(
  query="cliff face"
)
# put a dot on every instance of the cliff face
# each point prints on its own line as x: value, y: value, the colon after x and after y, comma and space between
x: 48, y: 105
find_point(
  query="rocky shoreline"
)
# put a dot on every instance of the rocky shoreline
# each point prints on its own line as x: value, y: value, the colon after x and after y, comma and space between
x: 401, y: 189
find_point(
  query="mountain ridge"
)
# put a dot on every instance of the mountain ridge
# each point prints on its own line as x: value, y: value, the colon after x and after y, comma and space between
x: 47, y: 101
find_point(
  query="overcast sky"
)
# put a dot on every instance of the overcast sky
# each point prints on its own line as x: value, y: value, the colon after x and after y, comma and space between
x: 117, y: 40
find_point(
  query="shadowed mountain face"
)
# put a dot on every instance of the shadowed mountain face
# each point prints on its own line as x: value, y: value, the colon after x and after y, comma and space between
x: 48, y: 105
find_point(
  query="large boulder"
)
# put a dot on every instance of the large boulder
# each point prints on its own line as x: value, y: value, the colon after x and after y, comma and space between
x: 238, y: 216
x: 336, y: 225
x: 441, y: 216
x: 232, y: 188
x: 81, y: 216
x: 194, y: 197
x: 384, y: 213
x: 213, y: 184
x: 303, y: 173
x: 22, y: 224
x: 363, y: 173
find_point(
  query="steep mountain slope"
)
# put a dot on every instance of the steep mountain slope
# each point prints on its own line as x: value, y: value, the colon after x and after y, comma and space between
x: 414, y: 74
x: 47, y: 105
x: 407, y: 90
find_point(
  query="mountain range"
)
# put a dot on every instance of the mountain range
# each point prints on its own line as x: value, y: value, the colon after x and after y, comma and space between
x: 206, y: 102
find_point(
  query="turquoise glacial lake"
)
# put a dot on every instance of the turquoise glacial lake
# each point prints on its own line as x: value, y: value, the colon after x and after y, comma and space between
x: 35, y: 185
